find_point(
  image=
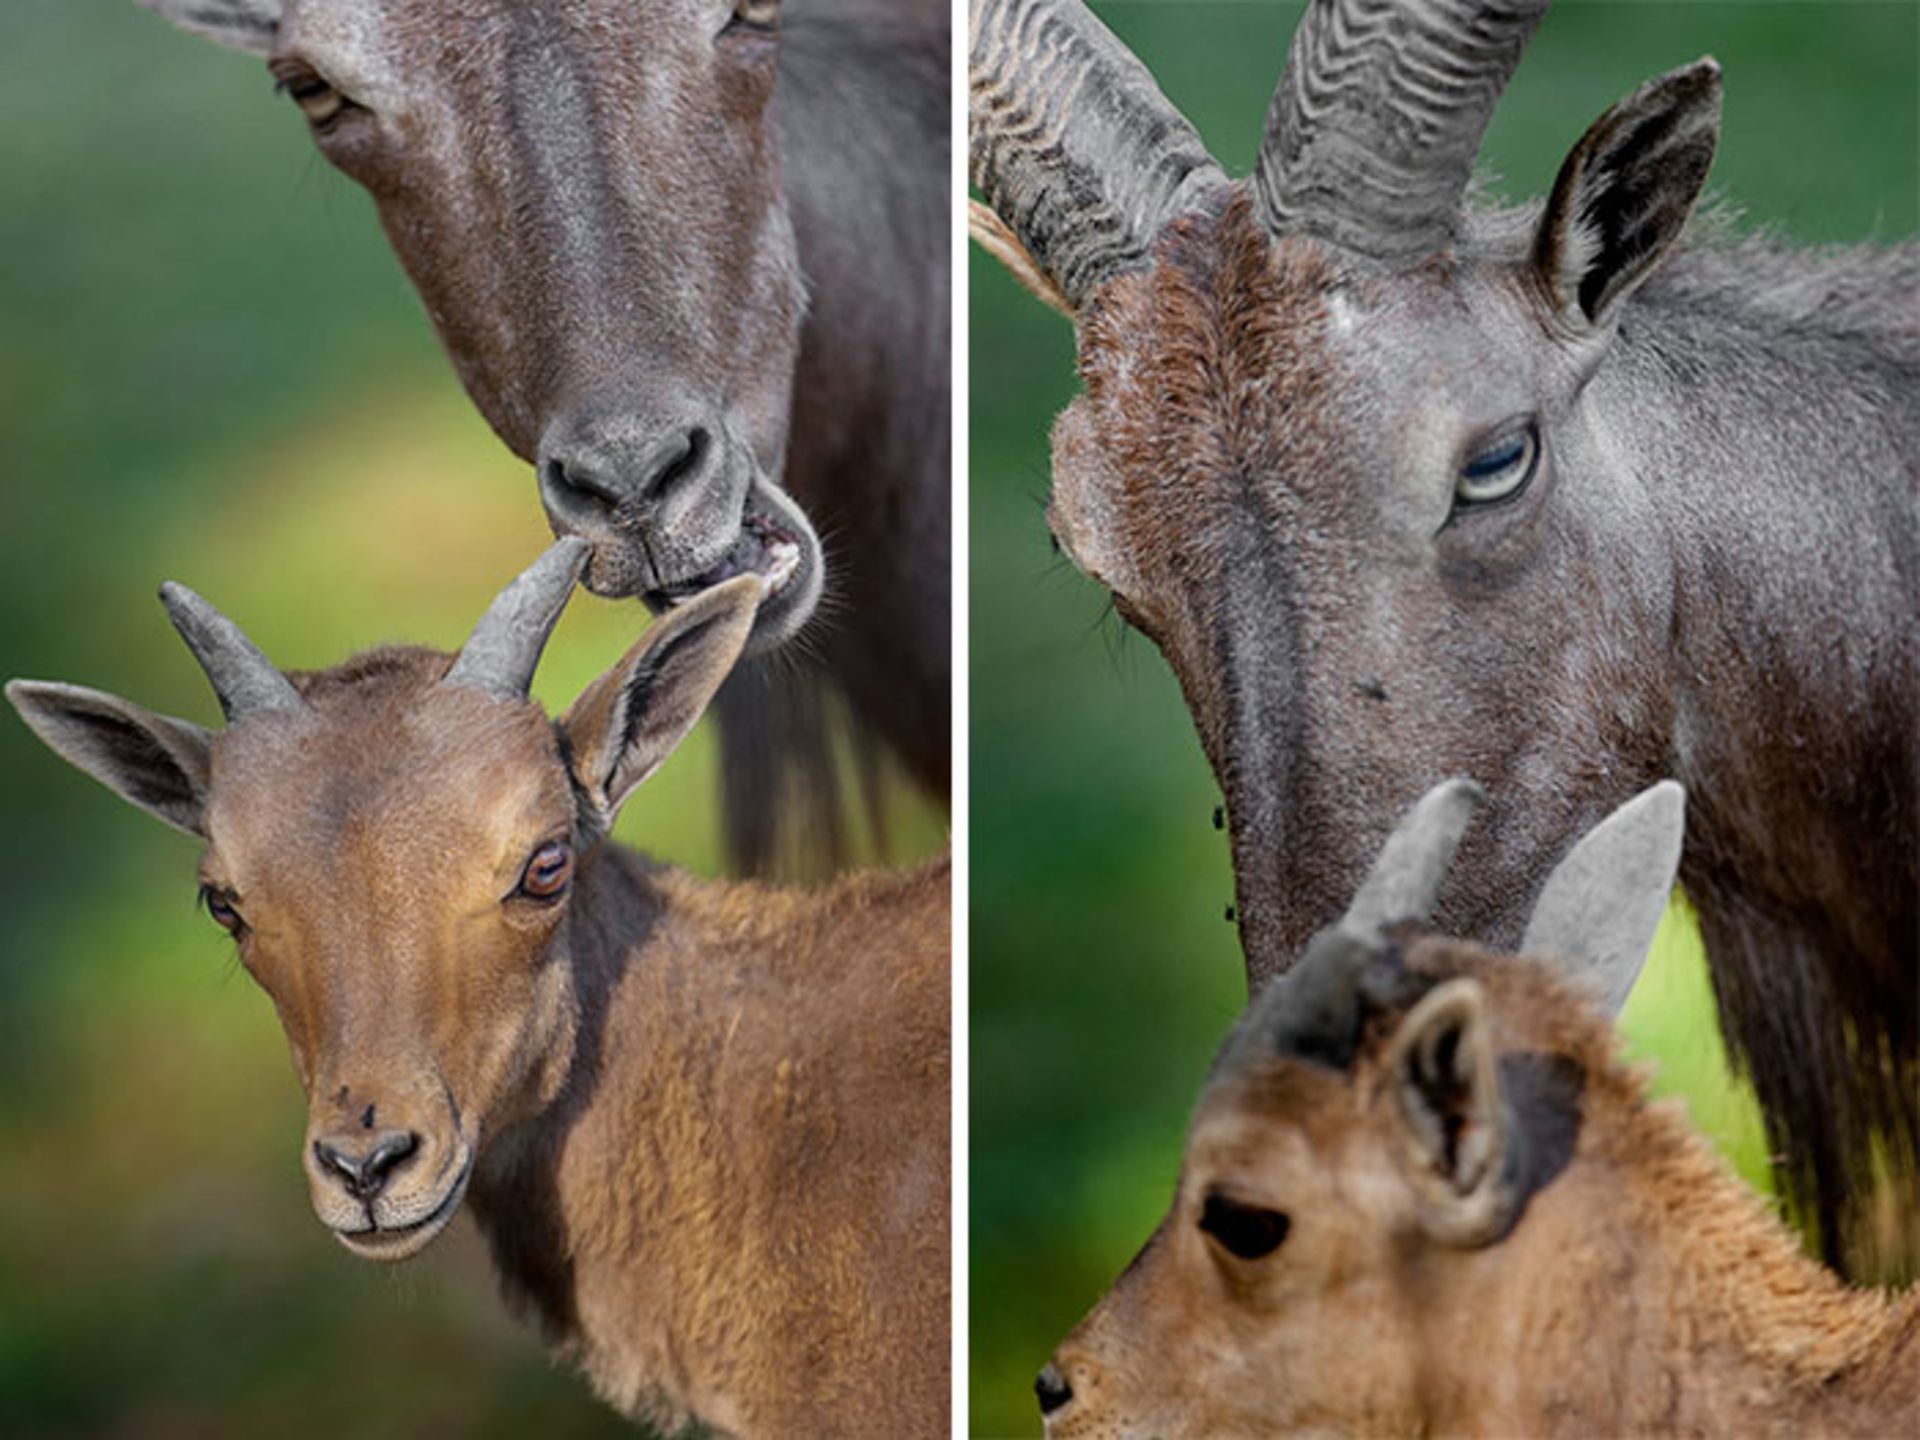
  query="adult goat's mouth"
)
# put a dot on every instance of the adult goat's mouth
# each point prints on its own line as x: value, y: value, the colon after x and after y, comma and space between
x: 776, y: 543
x: 765, y: 548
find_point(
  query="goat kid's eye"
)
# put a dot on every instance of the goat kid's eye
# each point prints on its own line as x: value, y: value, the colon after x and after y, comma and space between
x: 548, y: 871
x: 221, y: 908
x: 1248, y: 1231
x: 1500, y: 468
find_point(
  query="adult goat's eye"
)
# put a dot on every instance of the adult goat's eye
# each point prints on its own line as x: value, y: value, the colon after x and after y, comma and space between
x: 1499, y: 468
x: 318, y: 100
x: 755, y: 15
x: 1248, y: 1231
x: 221, y: 908
x: 548, y: 871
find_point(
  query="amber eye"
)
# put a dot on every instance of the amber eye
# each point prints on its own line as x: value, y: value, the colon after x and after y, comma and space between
x: 548, y: 871
x: 1248, y: 1231
x: 220, y: 907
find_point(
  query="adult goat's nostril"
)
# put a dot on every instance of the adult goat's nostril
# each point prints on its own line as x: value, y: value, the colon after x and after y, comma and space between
x: 689, y: 462
x: 364, y: 1173
x: 1052, y: 1389
x: 579, y: 486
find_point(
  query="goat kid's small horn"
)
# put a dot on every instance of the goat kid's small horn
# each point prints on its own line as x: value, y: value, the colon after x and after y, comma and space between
x: 244, y: 680
x: 1073, y: 145
x: 1373, y: 130
x: 501, y: 655
x: 1406, y: 879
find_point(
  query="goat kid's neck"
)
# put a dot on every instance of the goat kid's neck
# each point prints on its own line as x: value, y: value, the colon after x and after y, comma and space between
x: 1687, y: 1310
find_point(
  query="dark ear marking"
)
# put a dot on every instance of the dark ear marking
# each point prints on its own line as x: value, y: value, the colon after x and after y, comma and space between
x: 1624, y: 194
x: 1544, y: 1095
x: 158, y: 763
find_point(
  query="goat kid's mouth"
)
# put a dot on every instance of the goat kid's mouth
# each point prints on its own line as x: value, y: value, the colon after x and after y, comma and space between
x: 385, y: 1242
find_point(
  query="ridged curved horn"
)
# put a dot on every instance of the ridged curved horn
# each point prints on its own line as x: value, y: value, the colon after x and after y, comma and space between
x: 1073, y: 145
x: 501, y: 655
x: 1406, y: 878
x: 244, y: 680
x: 1373, y: 131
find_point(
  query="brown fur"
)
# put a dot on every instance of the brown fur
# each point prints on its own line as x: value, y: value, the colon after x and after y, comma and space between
x: 706, y: 1123
x: 1642, y: 1291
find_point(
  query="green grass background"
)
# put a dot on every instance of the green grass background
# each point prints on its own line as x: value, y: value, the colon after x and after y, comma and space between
x: 212, y: 369
x: 1103, y: 973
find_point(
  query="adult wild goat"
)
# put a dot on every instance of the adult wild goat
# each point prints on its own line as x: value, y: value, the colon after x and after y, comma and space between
x: 1421, y: 1196
x: 703, y: 1125
x: 709, y: 308
x: 1404, y: 487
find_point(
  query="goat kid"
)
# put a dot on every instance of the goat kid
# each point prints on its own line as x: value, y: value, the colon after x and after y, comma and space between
x: 1421, y: 1196
x: 703, y: 1125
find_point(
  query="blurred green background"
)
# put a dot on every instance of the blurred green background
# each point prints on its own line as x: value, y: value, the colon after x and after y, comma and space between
x: 1103, y: 972
x: 212, y: 369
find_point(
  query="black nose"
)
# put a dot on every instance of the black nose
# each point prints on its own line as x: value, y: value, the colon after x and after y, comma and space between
x: 1052, y: 1389
x: 584, y: 475
x: 364, y: 1164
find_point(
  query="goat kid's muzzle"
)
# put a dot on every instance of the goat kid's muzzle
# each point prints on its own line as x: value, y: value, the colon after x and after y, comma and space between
x: 386, y: 1193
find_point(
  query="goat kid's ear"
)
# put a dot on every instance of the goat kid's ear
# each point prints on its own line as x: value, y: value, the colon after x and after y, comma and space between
x: 1624, y: 195
x: 156, y: 762
x: 629, y: 720
x: 1600, y: 907
x: 1446, y: 1098
x: 249, y: 25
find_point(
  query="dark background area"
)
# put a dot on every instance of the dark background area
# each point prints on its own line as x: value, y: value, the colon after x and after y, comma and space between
x: 213, y: 370
x: 1103, y: 972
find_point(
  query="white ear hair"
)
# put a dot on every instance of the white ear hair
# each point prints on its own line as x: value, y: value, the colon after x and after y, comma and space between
x: 1601, y: 905
x: 249, y: 25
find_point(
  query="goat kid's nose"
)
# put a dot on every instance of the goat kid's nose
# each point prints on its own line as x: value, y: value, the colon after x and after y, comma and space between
x: 584, y: 477
x: 364, y: 1164
x: 1052, y: 1389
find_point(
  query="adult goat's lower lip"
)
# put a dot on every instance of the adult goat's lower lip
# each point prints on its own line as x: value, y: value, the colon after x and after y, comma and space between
x: 764, y: 548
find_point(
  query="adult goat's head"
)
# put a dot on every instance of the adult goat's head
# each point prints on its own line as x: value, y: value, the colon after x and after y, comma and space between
x: 393, y: 845
x: 1367, y: 1148
x: 587, y: 195
x: 1334, y: 452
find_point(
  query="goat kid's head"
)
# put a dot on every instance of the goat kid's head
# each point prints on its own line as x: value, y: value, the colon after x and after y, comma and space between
x: 587, y: 196
x: 1331, y: 453
x: 1372, y: 1131
x: 392, y: 844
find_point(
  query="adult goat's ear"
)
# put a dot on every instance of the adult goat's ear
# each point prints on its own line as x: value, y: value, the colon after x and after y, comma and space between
x: 1624, y: 195
x: 629, y: 720
x: 1597, y: 914
x: 156, y: 762
x: 249, y: 25
x: 1453, y: 1126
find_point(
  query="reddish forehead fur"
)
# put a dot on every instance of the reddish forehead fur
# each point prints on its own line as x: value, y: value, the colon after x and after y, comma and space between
x: 1210, y: 367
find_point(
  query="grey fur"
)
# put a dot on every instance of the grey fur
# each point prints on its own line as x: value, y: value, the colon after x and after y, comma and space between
x: 501, y: 655
x: 1712, y: 577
